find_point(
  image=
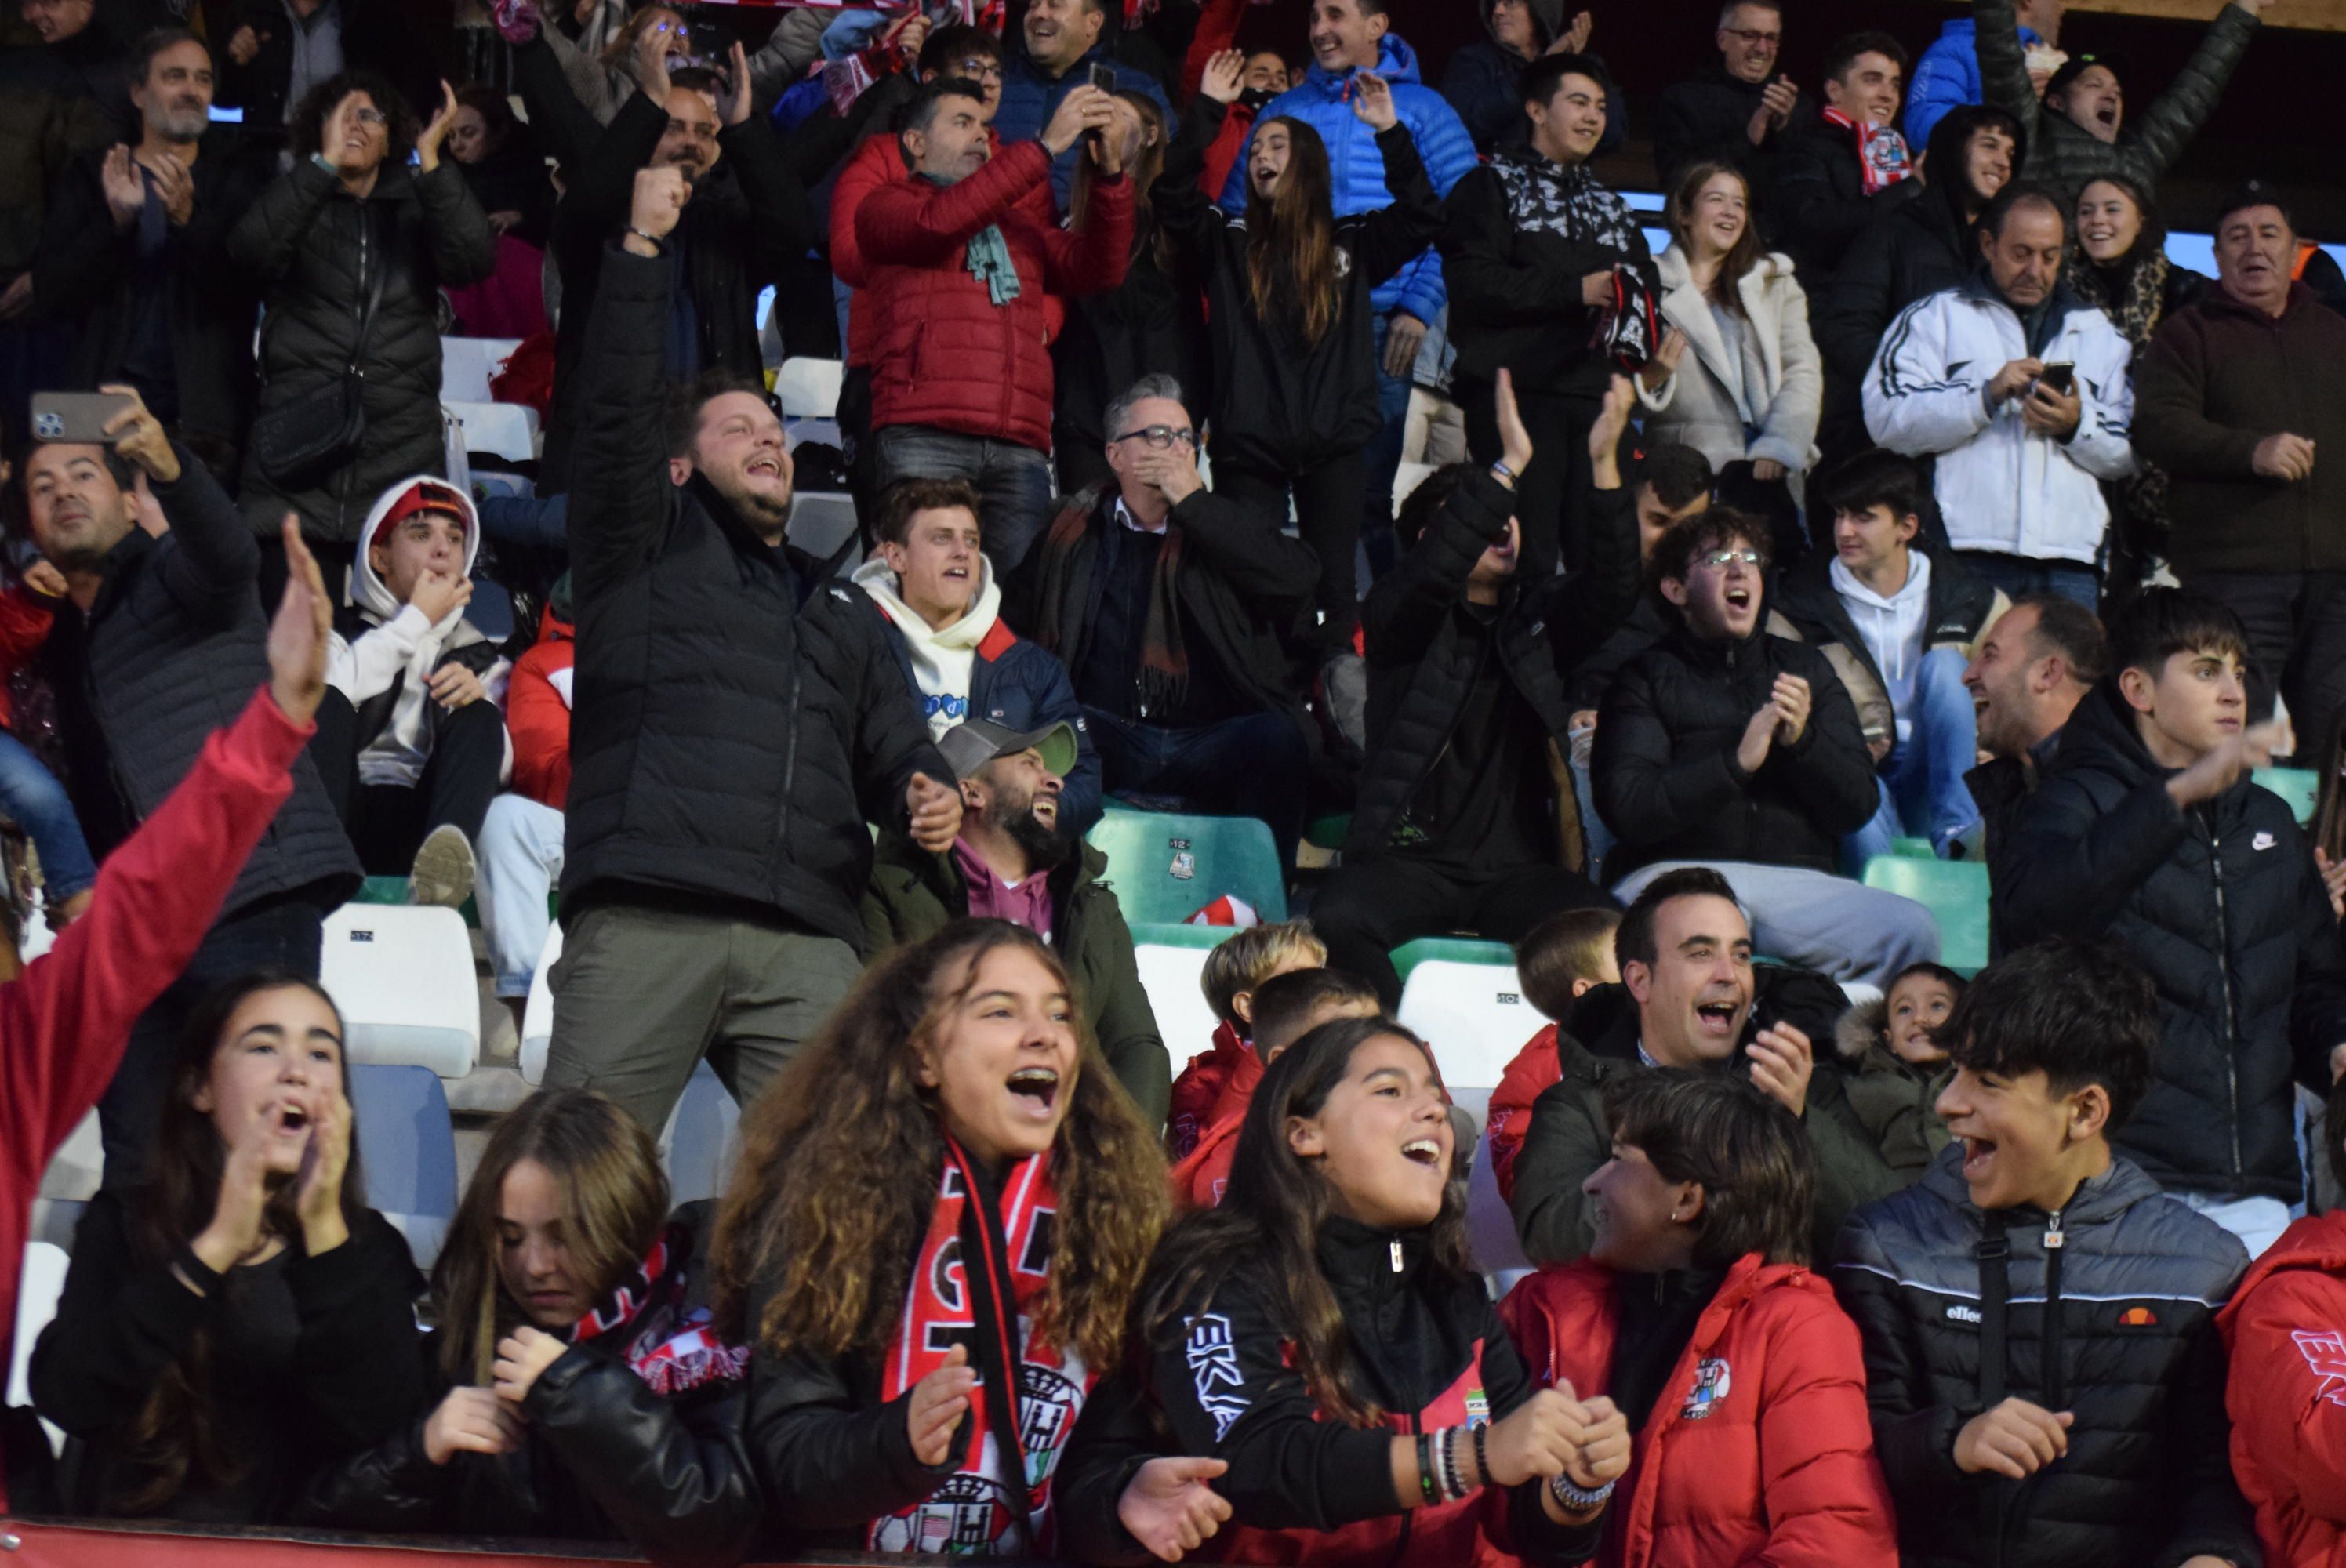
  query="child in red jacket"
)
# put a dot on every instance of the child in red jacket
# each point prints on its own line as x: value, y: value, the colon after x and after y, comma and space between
x: 30, y: 795
x: 1695, y: 1312
x: 1243, y: 961
x: 1563, y: 957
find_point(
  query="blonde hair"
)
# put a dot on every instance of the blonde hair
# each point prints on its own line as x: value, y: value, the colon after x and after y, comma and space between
x: 1247, y: 959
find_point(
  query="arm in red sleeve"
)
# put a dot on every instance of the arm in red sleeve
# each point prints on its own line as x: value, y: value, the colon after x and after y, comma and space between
x: 26, y: 617
x: 539, y: 722
x: 918, y: 224
x: 1093, y: 259
x: 879, y: 161
x: 64, y: 1022
x: 1218, y: 29
x: 2287, y: 1426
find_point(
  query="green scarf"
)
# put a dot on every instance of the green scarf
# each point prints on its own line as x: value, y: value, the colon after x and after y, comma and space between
x: 990, y: 263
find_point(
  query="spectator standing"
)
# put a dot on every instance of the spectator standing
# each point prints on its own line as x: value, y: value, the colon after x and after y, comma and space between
x: 2148, y: 831
x: 1748, y: 392
x: 1168, y: 603
x: 82, y: 55
x: 2237, y: 395
x: 715, y: 836
x: 505, y: 173
x: 1533, y: 245
x: 350, y: 248
x: 1264, y: 77
x: 1061, y: 42
x: 135, y: 257
x: 1736, y: 111
x: 520, y: 841
x: 1962, y: 376
x: 960, y: 370
x: 2080, y: 1421
x: 1019, y: 859
x: 280, y: 51
x: 941, y: 602
x: 1457, y: 823
x: 1481, y: 82
x: 161, y: 642
x: 1727, y: 747
x: 1349, y: 37
x: 1690, y: 998
x: 1840, y: 172
x: 1289, y: 291
x: 2077, y: 129
x: 1947, y: 77
x: 1918, y: 248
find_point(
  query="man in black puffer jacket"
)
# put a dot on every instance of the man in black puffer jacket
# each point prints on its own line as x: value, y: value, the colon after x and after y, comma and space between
x: 731, y: 733
x: 2040, y: 1355
x: 1727, y: 747
x: 162, y: 642
x: 1456, y: 825
x: 2148, y: 831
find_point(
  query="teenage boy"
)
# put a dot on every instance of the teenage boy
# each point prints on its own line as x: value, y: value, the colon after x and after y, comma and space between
x: 1234, y: 971
x: 1899, y: 624
x: 2040, y: 1355
x: 2149, y: 831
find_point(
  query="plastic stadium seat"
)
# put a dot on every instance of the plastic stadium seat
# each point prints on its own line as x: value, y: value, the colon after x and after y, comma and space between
x: 820, y: 522
x: 1490, y: 1226
x: 467, y: 364
x: 1955, y: 892
x: 701, y: 1141
x: 38, y: 1284
x: 809, y: 388
x: 1455, y: 949
x: 2301, y: 787
x: 537, y: 1013
x: 404, y: 979
x: 506, y: 429
x: 1166, y: 866
x: 1170, y: 959
x: 1914, y: 848
x: 1475, y: 1018
x: 407, y: 1149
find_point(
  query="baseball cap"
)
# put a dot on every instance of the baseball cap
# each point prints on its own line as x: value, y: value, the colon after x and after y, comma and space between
x: 969, y: 747
x: 424, y: 495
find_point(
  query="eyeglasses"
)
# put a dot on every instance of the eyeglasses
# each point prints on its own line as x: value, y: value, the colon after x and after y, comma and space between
x: 1720, y: 560
x: 1163, y: 436
x: 1754, y: 36
x: 978, y: 68
x: 370, y: 117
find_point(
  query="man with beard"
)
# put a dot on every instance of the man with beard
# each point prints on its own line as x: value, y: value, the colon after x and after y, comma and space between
x: 746, y: 219
x: 134, y: 256
x: 1016, y: 861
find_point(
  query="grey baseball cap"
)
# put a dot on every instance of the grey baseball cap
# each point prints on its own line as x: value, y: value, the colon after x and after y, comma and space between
x: 971, y: 746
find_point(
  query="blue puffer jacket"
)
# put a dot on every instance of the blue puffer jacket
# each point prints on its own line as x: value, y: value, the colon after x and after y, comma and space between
x: 1947, y: 77
x: 1029, y: 99
x: 1357, y: 170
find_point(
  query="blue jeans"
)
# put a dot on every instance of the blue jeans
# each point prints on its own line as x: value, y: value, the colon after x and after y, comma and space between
x: 1383, y: 457
x: 1255, y: 766
x: 31, y: 794
x: 1922, y: 791
x: 2018, y: 574
x: 1013, y: 481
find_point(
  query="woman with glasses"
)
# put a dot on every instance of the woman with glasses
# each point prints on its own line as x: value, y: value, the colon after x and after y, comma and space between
x: 1286, y: 289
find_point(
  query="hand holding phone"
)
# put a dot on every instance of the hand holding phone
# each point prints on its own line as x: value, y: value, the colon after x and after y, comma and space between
x: 2060, y: 375
x: 77, y: 418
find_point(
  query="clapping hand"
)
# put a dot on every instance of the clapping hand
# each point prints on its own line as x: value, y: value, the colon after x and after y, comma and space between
x: 125, y: 188
x: 1573, y: 39
x: 936, y: 1405
x: 427, y: 146
x: 1224, y: 72
x: 735, y: 105
x: 1782, y: 1063
x: 298, y: 636
x: 319, y: 1196
x: 1515, y: 440
x: 2333, y: 872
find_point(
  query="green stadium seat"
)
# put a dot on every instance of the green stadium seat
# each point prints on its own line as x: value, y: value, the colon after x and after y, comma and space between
x: 1449, y: 949
x: 2301, y: 787
x: 1165, y: 866
x: 1913, y: 849
x: 394, y: 891
x: 1954, y: 892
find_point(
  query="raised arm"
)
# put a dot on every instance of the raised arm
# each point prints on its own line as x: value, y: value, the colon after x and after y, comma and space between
x: 916, y: 224
x: 1394, y: 236
x: 2174, y: 116
x: 1180, y: 206
x: 210, y: 559
x: 2004, y: 66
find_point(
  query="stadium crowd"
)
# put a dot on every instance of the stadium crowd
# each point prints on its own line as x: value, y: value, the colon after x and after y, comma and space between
x: 1302, y: 433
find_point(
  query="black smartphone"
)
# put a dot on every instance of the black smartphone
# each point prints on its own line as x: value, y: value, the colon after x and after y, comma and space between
x: 77, y: 417
x: 709, y: 43
x: 1103, y: 79
x: 2061, y: 375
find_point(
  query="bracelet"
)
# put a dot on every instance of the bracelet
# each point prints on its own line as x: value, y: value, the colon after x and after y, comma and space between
x: 1482, y: 1453
x: 1575, y: 1500
x: 1453, y: 1482
x: 654, y: 240
x: 1503, y: 474
x: 1426, y: 1483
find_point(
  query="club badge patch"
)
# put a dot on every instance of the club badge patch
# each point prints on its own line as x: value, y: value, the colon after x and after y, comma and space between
x: 1711, y: 1382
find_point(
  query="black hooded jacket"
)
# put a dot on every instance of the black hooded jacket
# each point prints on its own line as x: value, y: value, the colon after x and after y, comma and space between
x: 2222, y: 906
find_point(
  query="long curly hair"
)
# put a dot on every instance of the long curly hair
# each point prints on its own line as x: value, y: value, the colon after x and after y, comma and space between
x: 307, y: 127
x: 1270, y: 1217
x: 841, y: 1158
x: 1290, y: 247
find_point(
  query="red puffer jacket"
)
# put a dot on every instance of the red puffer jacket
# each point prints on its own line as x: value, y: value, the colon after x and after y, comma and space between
x: 2285, y: 1335
x: 1536, y: 1066
x: 1758, y: 1452
x: 945, y: 354
x: 1202, y: 1173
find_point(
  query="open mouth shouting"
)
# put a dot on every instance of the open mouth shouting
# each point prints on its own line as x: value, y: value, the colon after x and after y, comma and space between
x: 1034, y: 1093
x: 1422, y: 1150
x: 1979, y: 1159
x: 1716, y: 1017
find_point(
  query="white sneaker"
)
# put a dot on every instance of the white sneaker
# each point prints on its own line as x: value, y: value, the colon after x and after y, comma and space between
x: 444, y: 869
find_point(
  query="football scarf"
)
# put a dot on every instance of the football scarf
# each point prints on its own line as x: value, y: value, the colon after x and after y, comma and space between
x: 982, y: 1267
x: 666, y: 1343
x: 1882, y: 159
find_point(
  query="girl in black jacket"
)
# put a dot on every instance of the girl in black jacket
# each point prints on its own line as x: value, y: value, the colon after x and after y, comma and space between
x: 1324, y: 1332
x: 939, y: 1223
x: 1295, y: 373
x: 242, y: 1314
x: 586, y: 1395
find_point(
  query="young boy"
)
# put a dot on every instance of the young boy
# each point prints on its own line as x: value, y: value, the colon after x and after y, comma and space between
x: 2150, y: 830
x: 1897, y: 1066
x: 1233, y: 972
x: 1563, y: 957
x: 2041, y: 1355
x: 415, y: 748
x: 1286, y: 1007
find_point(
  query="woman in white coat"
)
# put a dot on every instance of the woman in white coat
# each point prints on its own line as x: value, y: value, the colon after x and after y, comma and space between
x: 1748, y: 392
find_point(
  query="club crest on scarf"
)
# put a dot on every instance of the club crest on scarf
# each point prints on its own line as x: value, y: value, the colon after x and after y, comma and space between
x: 670, y: 1346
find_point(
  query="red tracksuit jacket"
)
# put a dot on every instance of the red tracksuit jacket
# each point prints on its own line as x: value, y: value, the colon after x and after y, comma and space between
x: 2285, y: 1333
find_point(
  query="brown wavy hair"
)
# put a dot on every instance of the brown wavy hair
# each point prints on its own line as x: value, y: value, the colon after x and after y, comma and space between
x: 1291, y: 239
x: 597, y: 1154
x: 1146, y: 164
x: 841, y: 1158
x: 1746, y: 251
x: 1269, y: 1221
x: 174, y: 1442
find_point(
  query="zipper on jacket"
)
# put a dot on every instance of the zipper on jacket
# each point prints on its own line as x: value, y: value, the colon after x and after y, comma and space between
x: 2055, y: 1386
x: 2224, y: 976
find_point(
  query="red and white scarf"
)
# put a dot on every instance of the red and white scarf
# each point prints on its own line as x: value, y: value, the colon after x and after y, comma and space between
x: 668, y: 1342
x: 997, y: 1502
x: 1881, y: 156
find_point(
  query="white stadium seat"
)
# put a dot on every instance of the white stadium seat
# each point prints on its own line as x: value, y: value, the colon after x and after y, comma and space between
x: 702, y: 1139
x: 809, y: 388
x: 467, y: 365
x: 1475, y: 1018
x: 403, y: 978
x: 537, y: 1013
x: 1184, y: 1022
x: 38, y: 1286
x: 505, y: 430
x: 1489, y: 1228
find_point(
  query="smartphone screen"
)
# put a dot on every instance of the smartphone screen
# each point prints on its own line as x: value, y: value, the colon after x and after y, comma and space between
x: 1103, y: 79
x: 2060, y: 375
x: 75, y: 416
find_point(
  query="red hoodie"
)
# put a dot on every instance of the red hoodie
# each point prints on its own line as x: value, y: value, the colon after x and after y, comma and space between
x: 1200, y: 1088
x: 1535, y: 1068
x: 2284, y: 1331
x: 1760, y: 1451
x: 1205, y: 1171
x: 537, y: 714
x: 65, y: 1020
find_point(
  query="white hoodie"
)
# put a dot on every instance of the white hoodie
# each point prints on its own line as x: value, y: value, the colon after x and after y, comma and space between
x: 1893, y: 629
x: 403, y: 643
x: 941, y: 659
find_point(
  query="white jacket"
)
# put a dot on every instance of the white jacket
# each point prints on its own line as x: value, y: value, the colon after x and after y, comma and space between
x: 1699, y: 406
x: 2002, y: 487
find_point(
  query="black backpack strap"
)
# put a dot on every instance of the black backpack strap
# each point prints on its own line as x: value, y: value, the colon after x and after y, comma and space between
x: 1995, y: 1253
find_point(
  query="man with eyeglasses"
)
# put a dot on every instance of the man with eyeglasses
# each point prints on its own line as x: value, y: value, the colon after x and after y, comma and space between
x: 1726, y: 747
x: 1735, y: 111
x: 1168, y: 603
